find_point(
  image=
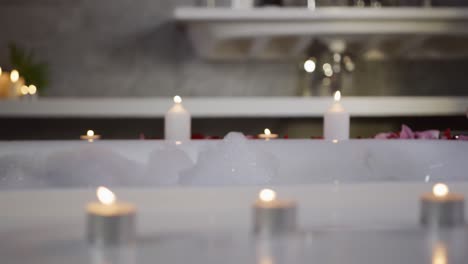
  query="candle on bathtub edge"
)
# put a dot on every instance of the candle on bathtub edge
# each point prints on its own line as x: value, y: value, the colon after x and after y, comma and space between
x: 177, y: 122
x: 336, y: 121
x: 110, y: 222
x: 442, y: 208
x: 267, y: 135
x: 273, y: 216
x: 90, y: 136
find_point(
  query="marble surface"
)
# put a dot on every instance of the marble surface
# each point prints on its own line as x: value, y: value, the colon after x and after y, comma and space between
x: 339, y: 223
x: 232, y: 161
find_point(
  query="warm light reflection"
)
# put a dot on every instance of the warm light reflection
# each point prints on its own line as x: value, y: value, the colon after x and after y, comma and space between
x: 105, y: 196
x: 0, y: 70
x: 32, y: 89
x: 439, y: 254
x: 90, y: 133
x: 266, y: 260
x: 178, y: 142
x: 24, y: 90
x: 309, y: 66
x: 177, y: 99
x: 14, y: 76
x: 267, y: 131
x: 440, y: 190
x: 337, y: 96
x: 267, y: 195
x: 335, y: 141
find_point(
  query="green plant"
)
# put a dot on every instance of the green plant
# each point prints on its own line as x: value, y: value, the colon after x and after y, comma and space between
x: 33, y: 72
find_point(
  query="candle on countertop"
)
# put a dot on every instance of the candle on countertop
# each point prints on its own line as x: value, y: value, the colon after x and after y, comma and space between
x: 267, y: 135
x: 90, y: 136
x: 336, y: 121
x: 110, y: 222
x: 273, y: 216
x: 15, y: 85
x: 177, y: 122
x: 442, y: 208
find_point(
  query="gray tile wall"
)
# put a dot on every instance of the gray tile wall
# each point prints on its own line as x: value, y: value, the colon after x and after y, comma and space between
x: 132, y: 48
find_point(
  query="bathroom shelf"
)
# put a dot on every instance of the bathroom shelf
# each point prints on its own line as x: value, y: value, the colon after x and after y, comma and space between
x: 285, y: 33
x: 221, y: 107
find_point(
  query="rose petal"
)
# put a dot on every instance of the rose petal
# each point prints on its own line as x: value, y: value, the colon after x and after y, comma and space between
x: 406, y: 132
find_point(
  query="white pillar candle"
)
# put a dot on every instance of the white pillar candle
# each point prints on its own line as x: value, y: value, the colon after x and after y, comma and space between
x: 273, y: 216
x: 336, y: 121
x: 442, y: 208
x: 110, y: 222
x: 177, y: 122
x: 267, y: 135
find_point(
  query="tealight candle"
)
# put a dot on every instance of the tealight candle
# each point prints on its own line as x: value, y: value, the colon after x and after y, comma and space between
x: 110, y: 222
x: 90, y: 136
x: 336, y: 121
x: 442, y: 208
x: 177, y: 122
x: 267, y: 135
x: 273, y: 216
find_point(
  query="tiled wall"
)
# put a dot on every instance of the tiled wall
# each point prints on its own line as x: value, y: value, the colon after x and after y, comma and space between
x: 132, y: 48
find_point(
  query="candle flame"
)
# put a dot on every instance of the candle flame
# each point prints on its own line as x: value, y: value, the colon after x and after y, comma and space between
x: 440, y: 190
x: 90, y: 133
x: 32, y: 89
x: 267, y: 195
x: 177, y: 99
x: 14, y: 76
x: 337, y: 96
x: 105, y: 196
x: 267, y: 131
x: 24, y: 90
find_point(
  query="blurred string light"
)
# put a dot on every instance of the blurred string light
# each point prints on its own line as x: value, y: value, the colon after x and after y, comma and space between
x: 32, y: 89
x: 309, y: 65
x: 336, y: 57
x: 327, y: 69
x: 348, y: 63
x: 24, y: 90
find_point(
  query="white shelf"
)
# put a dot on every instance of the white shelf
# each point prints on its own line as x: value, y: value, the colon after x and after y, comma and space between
x: 219, y: 107
x: 279, y: 33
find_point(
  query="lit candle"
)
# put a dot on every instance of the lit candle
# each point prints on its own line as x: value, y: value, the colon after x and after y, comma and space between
x: 177, y: 122
x: 90, y: 136
x: 267, y: 135
x: 15, y: 84
x: 273, y: 216
x: 442, y: 208
x: 110, y: 222
x: 336, y: 121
